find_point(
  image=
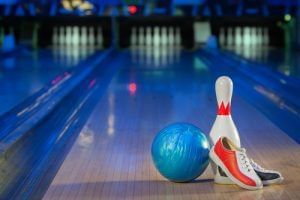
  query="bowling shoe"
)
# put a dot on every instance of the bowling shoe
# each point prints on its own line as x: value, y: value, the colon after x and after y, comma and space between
x: 235, y: 164
x: 267, y: 176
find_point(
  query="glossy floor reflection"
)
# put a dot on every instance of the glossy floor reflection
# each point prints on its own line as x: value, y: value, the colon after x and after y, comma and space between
x: 111, y: 157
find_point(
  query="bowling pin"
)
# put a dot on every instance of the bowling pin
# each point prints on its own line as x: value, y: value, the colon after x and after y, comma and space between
x: 222, y: 37
x: 84, y: 35
x: 75, y: 36
x: 229, y: 37
x: 259, y: 36
x: 171, y: 36
x: 141, y: 36
x: 91, y: 39
x: 253, y: 37
x: 55, y: 40
x: 133, y: 37
x: 69, y: 36
x: 178, y: 37
x: 61, y: 38
x: 148, y: 36
x: 224, y: 125
x: 247, y: 36
x: 265, y: 37
x: 164, y: 36
x: 238, y: 36
x: 100, y: 37
x: 156, y: 36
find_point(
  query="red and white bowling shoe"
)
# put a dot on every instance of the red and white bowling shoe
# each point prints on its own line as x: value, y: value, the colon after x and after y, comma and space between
x: 235, y: 163
x: 266, y: 176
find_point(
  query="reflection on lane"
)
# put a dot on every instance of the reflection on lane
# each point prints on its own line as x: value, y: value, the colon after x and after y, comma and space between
x: 168, y: 87
x: 71, y: 55
x: 153, y: 56
x: 276, y: 99
x: 111, y: 115
x: 25, y: 72
x: 285, y: 61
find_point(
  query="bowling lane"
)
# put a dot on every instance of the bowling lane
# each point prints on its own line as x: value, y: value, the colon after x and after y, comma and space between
x: 111, y: 157
x: 286, y: 62
x: 25, y: 72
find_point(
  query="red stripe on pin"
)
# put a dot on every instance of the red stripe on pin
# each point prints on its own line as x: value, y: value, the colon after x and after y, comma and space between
x: 224, y: 110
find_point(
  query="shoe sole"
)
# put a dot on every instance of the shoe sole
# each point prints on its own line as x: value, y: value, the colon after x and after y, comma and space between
x: 216, y: 159
x: 274, y: 181
x: 223, y: 180
x: 218, y: 179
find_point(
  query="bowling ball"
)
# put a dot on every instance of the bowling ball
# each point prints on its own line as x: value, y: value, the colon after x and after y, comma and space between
x: 180, y: 152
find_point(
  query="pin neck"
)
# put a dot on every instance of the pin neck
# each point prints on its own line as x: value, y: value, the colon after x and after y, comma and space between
x: 224, y: 109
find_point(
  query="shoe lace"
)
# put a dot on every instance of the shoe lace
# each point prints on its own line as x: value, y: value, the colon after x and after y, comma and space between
x: 246, y: 163
x: 256, y: 166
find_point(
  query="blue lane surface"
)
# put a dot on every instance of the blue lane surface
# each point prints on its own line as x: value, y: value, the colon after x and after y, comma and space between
x: 25, y: 72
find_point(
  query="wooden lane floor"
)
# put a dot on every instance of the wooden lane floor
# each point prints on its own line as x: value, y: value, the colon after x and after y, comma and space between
x: 111, y: 158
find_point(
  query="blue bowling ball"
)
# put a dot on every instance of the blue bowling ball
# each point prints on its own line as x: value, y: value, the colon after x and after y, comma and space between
x: 180, y: 152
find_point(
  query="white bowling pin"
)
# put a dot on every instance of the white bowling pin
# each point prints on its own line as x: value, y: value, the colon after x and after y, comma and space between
x: 224, y: 125
x: 238, y: 36
x: 61, y: 37
x: 91, y: 37
x: 148, y: 36
x: 247, y: 36
x: 171, y: 37
x: 69, y: 35
x: 133, y: 37
x: 229, y: 37
x: 141, y: 36
x: 84, y: 36
x: 100, y: 37
x: 164, y: 36
x: 253, y: 34
x: 265, y: 37
x: 75, y: 36
x: 178, y: 37
x: 156, y: 36
x: 222, y: 37
x: 259, y: 36
x: 55, y: 40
